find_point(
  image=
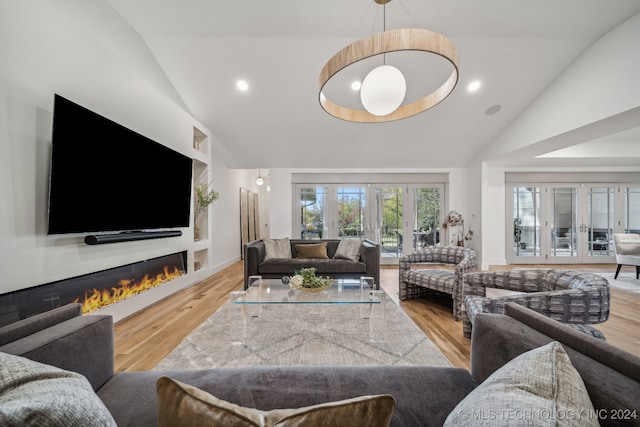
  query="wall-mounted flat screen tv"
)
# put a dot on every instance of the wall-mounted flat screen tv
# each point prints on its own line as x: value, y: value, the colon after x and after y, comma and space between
x: 105, y: 177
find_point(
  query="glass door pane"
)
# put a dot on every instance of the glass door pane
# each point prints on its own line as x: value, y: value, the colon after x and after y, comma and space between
x: 564, y: 220
x: 632, y: 210
x: 526, y: 222
x: 599, y: 223
x: 313, y: 213
x: 573, y: 223
x: 387, y: 226
x: 426, y: 216
x: 351, y: 211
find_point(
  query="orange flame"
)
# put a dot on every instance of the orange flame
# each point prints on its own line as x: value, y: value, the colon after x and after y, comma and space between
x: 96, y: 299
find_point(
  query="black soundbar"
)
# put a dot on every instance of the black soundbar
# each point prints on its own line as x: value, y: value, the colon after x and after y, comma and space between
x: 101, y: 239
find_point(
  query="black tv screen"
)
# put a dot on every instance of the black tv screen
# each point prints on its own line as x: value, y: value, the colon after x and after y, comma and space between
x: 105, y: 177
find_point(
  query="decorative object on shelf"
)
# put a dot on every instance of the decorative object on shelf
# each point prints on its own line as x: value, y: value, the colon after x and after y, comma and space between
x: 199, y: 140
x: 259, y: 179
x: 205, y: 195
x: 455, y: 223
x: 306, y: 280
x: 383, y: 89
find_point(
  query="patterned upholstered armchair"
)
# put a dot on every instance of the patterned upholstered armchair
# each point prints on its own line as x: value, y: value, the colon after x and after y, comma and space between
x: 571, y: 297
x: 417, y: 283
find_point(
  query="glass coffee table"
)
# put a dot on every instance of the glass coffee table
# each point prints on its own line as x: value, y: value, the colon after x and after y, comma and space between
x: 263, y: 292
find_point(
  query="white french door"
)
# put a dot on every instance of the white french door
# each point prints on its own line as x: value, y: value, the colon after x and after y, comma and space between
x: 427, y: 207
x: 564, y: 241
x: 563, y: 223
x: 401, y: 217
x: 404, y: 218
x: 353, y: 212
x: 330, y: 211
x: 599, y: 223
x: 386, y: 219
x: 312, y: 215
x: 631, y: 204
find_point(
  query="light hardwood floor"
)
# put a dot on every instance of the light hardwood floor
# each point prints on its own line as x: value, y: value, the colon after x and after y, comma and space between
x: 145, y: 338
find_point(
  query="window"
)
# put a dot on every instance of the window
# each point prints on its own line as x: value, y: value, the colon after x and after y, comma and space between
x: 400, y: 216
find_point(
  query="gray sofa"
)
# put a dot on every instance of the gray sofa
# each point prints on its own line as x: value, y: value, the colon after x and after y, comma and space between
x: 424, y: 395
x: 368, y: 264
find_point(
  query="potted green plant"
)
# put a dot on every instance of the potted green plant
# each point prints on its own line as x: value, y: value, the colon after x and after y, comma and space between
x: 205, y: 195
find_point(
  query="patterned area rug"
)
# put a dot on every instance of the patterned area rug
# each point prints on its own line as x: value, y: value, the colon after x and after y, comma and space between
x: 626, y: 280
x: 306, y: 335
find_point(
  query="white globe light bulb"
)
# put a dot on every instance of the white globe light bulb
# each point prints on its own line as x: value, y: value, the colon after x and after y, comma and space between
x: 383, y: 90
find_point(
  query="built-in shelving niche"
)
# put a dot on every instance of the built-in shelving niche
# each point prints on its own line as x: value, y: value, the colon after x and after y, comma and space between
x: 201, y: 221
x: 200, y: 141
x: 201, y: 175
x: 200, y: 259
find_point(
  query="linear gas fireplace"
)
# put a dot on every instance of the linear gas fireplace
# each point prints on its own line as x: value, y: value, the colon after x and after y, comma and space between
x: 94, y: 290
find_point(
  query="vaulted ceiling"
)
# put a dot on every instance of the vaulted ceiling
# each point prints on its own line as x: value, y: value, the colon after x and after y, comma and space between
x: 515, y: 48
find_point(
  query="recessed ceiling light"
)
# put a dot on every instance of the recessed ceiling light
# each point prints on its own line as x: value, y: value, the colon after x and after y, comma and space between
x: 493, y: 110
x: 356, y: 85
x: 242, y: 85
x: 473, y: 86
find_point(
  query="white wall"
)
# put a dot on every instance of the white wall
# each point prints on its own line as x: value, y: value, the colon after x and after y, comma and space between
x: 280, y: 202
x: 225, y: 241
x: 473, y: 208
x: 493, y: 217
x: 44, y: 51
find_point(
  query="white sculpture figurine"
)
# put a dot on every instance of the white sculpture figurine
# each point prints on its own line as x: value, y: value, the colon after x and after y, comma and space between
x: 455, y: 224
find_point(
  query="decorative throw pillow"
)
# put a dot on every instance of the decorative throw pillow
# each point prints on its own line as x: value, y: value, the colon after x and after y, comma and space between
x: 539, y: 387
x: 277, y: 248
x: 180, y: 404
x: 35, y: 394
x: 349, y: 249
x: 312, y: 251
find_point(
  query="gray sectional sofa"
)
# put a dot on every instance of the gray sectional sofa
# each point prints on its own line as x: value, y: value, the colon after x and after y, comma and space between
x: 425, y: 396
x: 574, y: 297
x: 367, y: 265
